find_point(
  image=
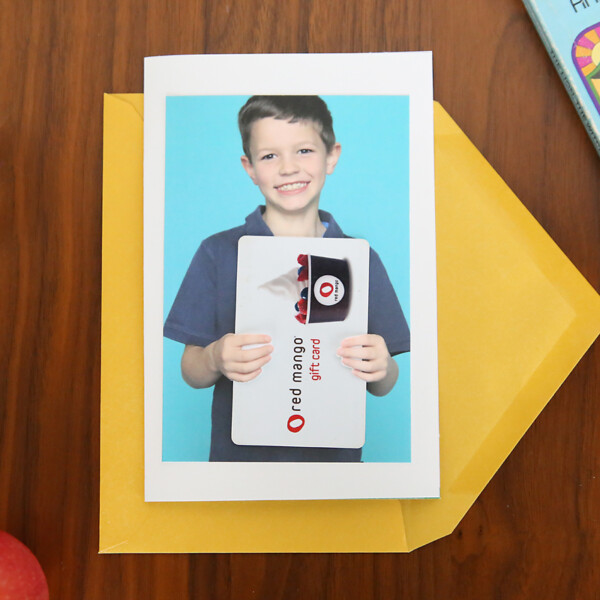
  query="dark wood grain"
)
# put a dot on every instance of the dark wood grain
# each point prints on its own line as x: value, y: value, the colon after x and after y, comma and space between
x: 533, y: 533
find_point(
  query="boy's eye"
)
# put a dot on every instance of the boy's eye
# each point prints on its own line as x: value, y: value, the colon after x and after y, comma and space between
x: 268, y: 156
x: 306, y: 150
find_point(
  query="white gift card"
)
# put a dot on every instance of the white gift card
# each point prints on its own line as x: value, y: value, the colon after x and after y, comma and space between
x: 308, y: 294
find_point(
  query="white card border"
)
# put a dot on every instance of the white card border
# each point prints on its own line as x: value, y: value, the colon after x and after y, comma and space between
x: 363, y: 74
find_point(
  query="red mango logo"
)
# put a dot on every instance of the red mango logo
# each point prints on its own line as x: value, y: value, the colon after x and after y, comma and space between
x: 295, y: 423
x: 326, y: 289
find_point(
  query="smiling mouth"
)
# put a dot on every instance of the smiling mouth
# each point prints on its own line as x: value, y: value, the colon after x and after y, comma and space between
x: 291, y: 187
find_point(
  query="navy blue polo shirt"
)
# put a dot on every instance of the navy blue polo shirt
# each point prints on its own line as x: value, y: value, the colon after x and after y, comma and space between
x: 204, y: 311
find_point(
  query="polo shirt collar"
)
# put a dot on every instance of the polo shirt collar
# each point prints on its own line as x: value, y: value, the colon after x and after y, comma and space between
x: 255, y: 224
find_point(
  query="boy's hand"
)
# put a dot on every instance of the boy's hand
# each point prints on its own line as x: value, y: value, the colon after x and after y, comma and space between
x: 237, y: 364
x: 367, y: 355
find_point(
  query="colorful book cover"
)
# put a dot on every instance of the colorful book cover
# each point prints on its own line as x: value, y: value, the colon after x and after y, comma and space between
x: 570, y: 30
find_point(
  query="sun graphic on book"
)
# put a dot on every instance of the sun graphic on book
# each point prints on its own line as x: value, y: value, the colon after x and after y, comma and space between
x: 586, y: 55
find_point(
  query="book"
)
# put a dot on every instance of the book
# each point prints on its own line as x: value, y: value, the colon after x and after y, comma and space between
x: 570, y: 30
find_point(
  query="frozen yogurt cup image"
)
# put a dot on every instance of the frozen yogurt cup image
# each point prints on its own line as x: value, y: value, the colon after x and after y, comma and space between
x: 327, y: 292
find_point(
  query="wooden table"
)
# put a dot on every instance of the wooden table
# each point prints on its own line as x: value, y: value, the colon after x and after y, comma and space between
x: 535, y: 530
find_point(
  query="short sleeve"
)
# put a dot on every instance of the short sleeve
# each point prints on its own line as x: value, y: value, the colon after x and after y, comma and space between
x: 385, y: 313
x: 192, y: 318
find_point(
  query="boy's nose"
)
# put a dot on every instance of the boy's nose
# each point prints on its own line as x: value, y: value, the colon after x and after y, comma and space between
x: 288, y: 165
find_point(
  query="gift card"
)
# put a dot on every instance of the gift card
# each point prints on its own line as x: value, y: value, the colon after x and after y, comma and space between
x: 308, y: 295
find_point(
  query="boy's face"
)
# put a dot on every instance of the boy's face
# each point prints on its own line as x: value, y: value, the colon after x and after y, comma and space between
x: 289, y: 163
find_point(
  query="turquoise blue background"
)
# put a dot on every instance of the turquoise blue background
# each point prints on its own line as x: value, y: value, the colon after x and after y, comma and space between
x: 207, y: 191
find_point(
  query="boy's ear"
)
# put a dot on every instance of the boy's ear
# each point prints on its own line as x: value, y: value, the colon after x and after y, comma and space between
x: 333, y: 157
x: 248, y: 168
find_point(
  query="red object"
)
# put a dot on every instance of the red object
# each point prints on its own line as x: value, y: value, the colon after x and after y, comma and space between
x: 21, y: 576
x: 303, y: 259
x: 302, y: 318
x: 302, y: 306
x: 295, y: 423
x: 303, y: 274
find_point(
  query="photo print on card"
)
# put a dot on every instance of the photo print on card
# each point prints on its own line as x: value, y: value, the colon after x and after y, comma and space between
x: 305, y: 250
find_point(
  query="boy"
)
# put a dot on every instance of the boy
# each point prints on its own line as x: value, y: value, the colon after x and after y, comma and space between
x: 289, y: 149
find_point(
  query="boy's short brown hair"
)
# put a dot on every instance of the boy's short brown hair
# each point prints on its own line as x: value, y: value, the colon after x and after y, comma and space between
x: 286, y: 108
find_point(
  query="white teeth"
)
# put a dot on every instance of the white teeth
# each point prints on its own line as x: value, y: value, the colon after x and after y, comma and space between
x: 288, y: 187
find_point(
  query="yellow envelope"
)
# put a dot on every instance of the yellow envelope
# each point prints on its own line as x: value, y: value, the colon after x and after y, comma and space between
x: 515, y: 316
